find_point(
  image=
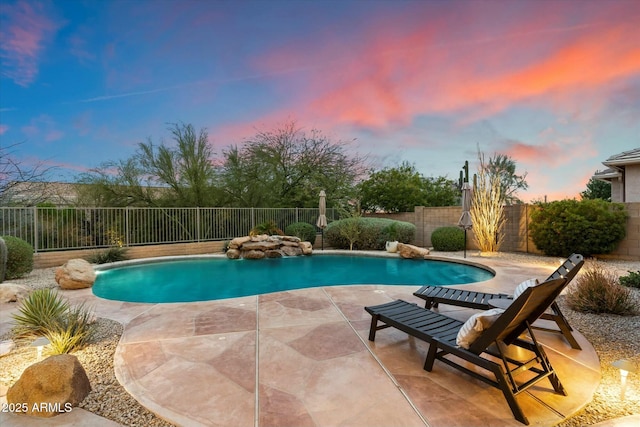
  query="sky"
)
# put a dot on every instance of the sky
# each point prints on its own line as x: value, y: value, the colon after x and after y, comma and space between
x: 555, y: 85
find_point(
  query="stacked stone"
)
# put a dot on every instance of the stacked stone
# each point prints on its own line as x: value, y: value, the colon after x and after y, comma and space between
x: 265, y: 246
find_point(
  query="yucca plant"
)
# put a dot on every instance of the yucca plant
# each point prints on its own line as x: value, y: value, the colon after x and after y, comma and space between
x: 72, y: 332
x: 597, y: 291
x: 42, y: 308
x: 109, y: 255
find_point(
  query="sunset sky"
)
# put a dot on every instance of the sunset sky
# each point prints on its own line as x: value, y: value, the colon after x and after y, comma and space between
x: 553, y: 84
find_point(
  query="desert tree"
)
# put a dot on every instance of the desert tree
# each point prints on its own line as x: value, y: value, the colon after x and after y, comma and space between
x: 16, y: 177
x: 487, y: 208
x: 504, y: 168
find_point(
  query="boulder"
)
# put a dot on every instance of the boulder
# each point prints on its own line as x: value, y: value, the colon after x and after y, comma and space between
x: 239, y: 241
x: 12, y: 292
x: 306, y: 248
x: 6, y: 347
x: 259, y: 238
x: 291, y: 239
x: 75, y: 274
x: 273, y: 254
x: 260, y: 246
x: 291, y: 251
x: 290, y: 243
x: 233, y: 254
x: 253, y: 254
x: 51, y: 387
x: 411, y: 251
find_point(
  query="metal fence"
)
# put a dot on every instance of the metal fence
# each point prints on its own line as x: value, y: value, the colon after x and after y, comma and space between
x: 48, y: 229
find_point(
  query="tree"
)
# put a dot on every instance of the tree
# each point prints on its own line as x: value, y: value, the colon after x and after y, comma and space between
x: 487, y: 209
x: 402, y: 188
x: 30, y: 182
x: 163, y: 175
x: 287, y: 167
x: 504, y: 168
x: 597, y: 189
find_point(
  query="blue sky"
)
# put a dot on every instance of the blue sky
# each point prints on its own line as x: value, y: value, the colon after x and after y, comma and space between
x: 553, y: 84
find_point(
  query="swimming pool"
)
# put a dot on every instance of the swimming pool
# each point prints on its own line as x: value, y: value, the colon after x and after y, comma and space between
x: 211, y: 278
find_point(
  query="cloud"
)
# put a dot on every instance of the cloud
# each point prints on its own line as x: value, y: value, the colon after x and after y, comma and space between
x: 43, y: 127
x: 26, y: 29
x: 3, y: 129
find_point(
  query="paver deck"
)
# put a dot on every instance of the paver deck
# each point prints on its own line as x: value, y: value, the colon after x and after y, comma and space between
x: 302, y: 358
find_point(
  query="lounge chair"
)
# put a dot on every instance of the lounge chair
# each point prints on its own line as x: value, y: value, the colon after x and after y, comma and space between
x: 489, y: 350
x: 434, y: 295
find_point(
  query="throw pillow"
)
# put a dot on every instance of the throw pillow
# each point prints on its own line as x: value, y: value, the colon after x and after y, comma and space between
x: 477, y: 323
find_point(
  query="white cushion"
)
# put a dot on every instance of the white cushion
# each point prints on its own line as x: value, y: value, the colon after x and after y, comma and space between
x: 523, y: 287
x: 477, y: 323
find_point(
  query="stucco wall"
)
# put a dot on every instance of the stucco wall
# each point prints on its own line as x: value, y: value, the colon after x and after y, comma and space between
x: 632, y: 183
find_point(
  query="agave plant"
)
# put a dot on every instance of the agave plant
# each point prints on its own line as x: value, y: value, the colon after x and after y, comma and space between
x: 74, y: 330
x: 42, y: 308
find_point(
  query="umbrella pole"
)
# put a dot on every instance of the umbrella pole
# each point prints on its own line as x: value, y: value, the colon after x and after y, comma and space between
x: 465, y: 243
x: 322, y: 231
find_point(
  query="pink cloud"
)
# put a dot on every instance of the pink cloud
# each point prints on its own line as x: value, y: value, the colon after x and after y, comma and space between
x: 23, y: 36
x: 3, y: 129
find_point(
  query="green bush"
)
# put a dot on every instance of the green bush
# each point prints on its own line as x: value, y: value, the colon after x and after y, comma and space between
x: 305, y: 231
x: 19, y: 257
x: 597, y: 291
x: 372, y: 234
x: 587, y: 227
x: 632, y: 279
x: 110, y: 255
x: 268, y: 227
x: 448, y: 239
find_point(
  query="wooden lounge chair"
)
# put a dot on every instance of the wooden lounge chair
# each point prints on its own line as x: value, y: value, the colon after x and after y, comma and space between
x: 490, y: 351
x: 434, y: 295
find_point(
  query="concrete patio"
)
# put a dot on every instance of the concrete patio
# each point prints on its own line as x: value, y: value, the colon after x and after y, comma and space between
x: 302, y: 358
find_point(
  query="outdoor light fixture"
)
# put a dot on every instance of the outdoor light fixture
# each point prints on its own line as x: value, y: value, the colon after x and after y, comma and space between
x: 39, y: 344
x: 625, y: 366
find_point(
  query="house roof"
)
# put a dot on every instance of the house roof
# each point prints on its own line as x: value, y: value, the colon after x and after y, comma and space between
x: 607, y: 174
x: 625, y: 158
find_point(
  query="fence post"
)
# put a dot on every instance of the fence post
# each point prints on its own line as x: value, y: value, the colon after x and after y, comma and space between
x: 126, y: 226
x: 198, y: 224
x: 253, y: 218
x: 35, y: 229
x: 297, y: 219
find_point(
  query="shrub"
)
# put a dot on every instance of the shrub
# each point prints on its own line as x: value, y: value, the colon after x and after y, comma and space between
x: 587, y: 227
x: 447, y: 239
x: 19, y: 257
x: 110, y: 255
x: 632, y: 279
x: 597, y: 291
x: 268, y: 227
x: 45, y: 313
x: 303, y: 230
x: 371, y: 233
x: 42, y: 308
x: 73, y: 331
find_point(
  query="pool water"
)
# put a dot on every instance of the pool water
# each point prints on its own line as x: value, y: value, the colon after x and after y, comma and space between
x: 204, y: 279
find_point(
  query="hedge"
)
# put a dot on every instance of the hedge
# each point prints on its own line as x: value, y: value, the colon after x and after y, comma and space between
x: 374, y: 233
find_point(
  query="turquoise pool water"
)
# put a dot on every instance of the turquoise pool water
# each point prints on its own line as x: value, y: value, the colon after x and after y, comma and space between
x: 204, y: 279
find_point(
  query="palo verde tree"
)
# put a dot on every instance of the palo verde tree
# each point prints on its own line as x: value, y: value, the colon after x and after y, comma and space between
x: 402, y: 188
x: 504, y: 168
x: 287, y: 167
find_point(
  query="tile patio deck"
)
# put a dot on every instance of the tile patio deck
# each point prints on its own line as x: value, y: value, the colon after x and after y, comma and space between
x: 302, y: 358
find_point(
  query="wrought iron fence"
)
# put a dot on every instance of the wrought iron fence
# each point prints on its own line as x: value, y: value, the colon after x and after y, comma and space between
x: 48, y: 229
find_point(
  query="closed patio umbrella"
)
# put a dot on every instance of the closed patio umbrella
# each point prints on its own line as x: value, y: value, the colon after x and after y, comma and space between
x: 465, y: 219
x: 322, y: 217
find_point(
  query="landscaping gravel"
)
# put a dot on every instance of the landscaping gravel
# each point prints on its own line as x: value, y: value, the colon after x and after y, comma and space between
x: 613, y: 337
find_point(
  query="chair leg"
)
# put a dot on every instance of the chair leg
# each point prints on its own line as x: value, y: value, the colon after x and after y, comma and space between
x: 503, y: 384
x: 431, y: 357
x: 374, y: 327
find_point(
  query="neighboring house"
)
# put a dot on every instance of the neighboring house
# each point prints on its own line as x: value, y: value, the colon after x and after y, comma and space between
x: 624, y: 175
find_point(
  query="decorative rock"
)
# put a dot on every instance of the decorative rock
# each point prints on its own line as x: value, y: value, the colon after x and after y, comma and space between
x: 260, y: 246
x: 291, y: 251
x: 253, y: 254
x: 6, y: 347
x: 411, y: 251
x: 233, y: 254
x: 289, y: 243
x: 273, y: 254
x: 12, y: 292
x: 259, y: 238
x: 75, y: 274
x: 306, y: 248
x: 51, y: 387
x: 291, y: 239
x: 239, y: 241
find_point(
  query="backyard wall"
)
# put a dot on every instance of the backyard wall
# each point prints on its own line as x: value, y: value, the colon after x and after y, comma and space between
x: 516, y: 232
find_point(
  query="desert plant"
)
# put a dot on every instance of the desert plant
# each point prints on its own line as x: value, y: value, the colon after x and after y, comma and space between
x: 588, y: 226
x: 37, y: 312
x: 19, y: 257
x: 72, y: 331
x: 597, y: 291
x: 447, y: 239
x: 371, y: 235
x: 303, y: 230
x: 632, y: 279
x: 391, y: 232
x: 3, y: 259
x: 487, y: 209
x: 109, y: 255
x: 268, y: 227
